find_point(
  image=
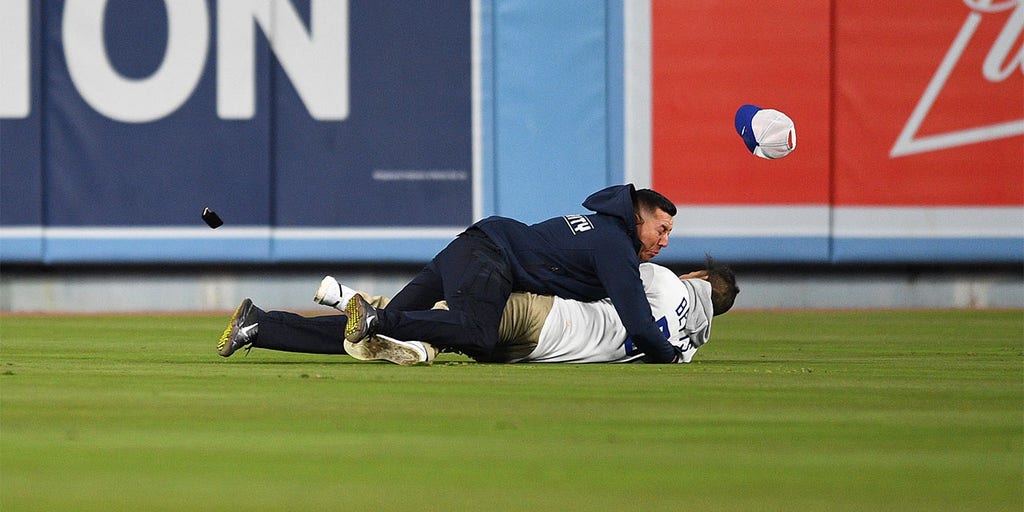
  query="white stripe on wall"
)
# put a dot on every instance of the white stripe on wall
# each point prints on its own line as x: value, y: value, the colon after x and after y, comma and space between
x: 154, y: 233
x: 850, y: 222
x: 912, y: 222
x: 691, y: 221
x: 636, y: 61
x: 751, y: 221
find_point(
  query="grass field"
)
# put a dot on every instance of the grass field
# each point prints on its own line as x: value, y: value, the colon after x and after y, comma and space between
x: 780, y: 411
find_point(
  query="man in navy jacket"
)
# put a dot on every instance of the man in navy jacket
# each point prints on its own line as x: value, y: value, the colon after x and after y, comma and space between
x: 582, y: 257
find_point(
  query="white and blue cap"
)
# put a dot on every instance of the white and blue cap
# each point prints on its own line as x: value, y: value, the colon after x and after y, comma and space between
x: 767, y: 133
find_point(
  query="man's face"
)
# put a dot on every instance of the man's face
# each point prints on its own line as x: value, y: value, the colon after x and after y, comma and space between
x: 652, y: 229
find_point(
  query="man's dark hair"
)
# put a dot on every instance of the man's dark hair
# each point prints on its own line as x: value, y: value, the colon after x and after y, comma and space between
x: 649, y: 201
x: 723, y: 286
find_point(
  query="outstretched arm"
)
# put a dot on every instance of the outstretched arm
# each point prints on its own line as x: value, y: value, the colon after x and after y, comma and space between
x: 621, y: 278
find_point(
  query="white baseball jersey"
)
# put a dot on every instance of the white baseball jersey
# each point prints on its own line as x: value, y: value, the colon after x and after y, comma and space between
x: 591, y: 332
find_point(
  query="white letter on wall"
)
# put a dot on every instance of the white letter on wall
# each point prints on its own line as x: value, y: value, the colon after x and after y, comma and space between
x: 316, y: 62
x: 15, y: 78
x: 127, y: 99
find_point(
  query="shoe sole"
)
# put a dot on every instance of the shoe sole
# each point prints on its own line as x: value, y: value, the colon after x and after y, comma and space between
x: 354, y: 330
x: 224, y: 344
x: 385, y: 348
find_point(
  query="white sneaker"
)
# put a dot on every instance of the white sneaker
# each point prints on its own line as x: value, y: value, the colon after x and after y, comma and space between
x: 332, y: 294
x: 386, y: 348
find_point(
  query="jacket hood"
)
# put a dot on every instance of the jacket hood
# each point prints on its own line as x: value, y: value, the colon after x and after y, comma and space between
x: 616, y: 201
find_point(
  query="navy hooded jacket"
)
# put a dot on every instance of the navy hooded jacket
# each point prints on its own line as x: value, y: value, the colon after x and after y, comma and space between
x: 586, y: 258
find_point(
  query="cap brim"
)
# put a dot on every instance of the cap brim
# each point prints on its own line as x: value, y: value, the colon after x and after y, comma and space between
x: 744, y: 116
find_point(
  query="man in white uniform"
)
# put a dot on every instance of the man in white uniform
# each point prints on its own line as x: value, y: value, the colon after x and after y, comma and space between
x: 543, y: 329
x: 533, y: 328
x: 588, y: 332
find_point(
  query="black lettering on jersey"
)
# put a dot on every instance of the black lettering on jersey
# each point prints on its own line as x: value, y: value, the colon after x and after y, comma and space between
x: 682, y: 312
x: 578, y: 223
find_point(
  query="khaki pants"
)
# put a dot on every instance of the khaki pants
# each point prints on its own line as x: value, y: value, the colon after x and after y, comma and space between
x: 521, y: 323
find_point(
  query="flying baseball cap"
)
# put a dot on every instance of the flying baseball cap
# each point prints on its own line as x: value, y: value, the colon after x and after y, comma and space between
x: 767, y: 133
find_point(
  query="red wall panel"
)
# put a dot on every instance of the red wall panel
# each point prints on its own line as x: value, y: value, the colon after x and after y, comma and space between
x: 852, y: 79
x: 708, y: 58
x: 888, y: 55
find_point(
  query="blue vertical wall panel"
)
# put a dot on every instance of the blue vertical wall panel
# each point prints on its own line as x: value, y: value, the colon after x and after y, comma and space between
x: 550, y: 97
x: 21, y: 177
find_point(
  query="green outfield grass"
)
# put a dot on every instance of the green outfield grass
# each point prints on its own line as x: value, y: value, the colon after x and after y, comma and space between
x: 780, y: 411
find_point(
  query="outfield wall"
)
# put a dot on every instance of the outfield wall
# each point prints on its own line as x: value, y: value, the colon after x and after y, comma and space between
x: 144, y: 290
x: 347, y: 131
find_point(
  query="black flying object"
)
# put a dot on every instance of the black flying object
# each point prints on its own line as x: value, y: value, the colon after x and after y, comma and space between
x: 212, y: 219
